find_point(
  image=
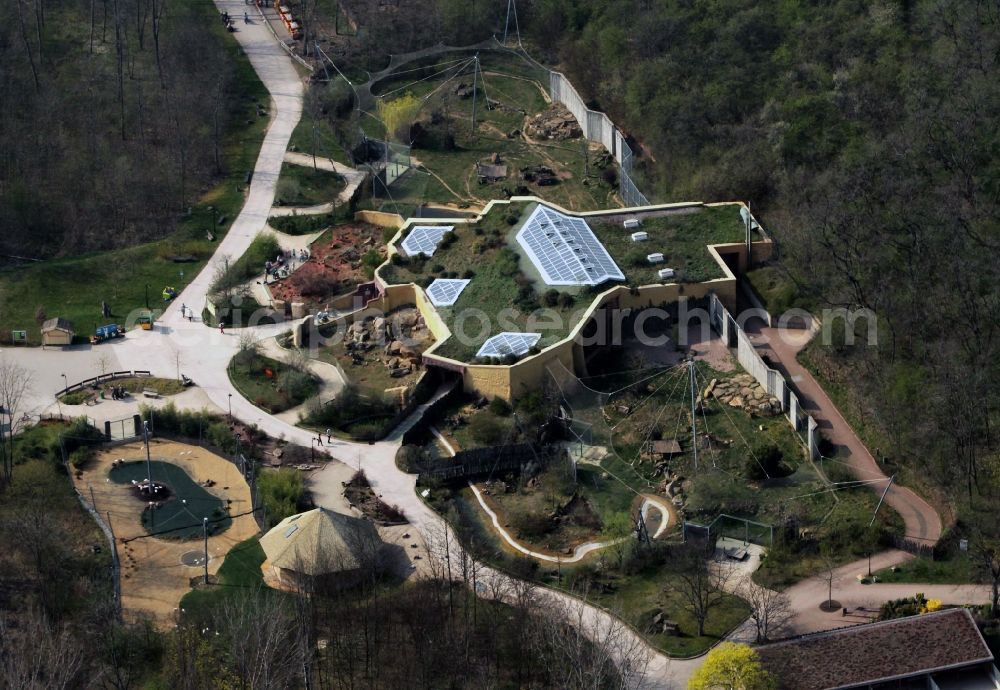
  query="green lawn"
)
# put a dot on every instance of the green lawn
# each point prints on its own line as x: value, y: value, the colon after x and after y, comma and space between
x: 269, y: 384
x: 73, y: 287
x: 636, y: 596
x: 959, y: 569
x: 681, y: 238
x: 631, y: 596
x: 132, y: 384
x: 500, y: 287
x: 239, y: 573
x: 301, y: 185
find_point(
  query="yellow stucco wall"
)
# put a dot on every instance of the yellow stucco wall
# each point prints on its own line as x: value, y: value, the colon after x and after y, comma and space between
x: 531, y: 372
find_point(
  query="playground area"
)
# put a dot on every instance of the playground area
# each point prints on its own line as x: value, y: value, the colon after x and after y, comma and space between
x: 156, y: 571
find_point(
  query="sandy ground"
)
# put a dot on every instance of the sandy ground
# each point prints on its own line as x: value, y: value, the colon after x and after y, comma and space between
x: 153, y: 579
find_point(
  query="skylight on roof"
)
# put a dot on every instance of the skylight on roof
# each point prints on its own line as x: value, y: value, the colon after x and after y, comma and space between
x: 565, y: 250
x: 291, y: 530
x: 444, y: 292
x: 424, y: 239
x: 508, y: 343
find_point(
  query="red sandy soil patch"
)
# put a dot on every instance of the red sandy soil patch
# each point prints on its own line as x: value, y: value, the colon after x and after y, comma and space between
x: 334, y: 268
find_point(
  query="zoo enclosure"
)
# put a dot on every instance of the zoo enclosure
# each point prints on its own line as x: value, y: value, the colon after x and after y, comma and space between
x: 770, y: 379
x: 595, y: 125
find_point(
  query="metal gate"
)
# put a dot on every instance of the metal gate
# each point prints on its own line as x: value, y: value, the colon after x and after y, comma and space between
x: 123, y: 429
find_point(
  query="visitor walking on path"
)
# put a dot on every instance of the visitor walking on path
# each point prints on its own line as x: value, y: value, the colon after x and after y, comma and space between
x: 222, y: 328
x: 319, y: 437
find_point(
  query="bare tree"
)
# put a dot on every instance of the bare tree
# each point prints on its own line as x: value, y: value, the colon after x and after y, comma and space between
x: 987, y: 553
x: 15, y: 384
x: 770, y: 610
x: 700, y: 588
x: 588, y: 648
x: 36, y: 656
x: 265, y: 644
x: 828, y: 573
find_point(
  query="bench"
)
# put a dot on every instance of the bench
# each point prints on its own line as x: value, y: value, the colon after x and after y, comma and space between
x: 150, y: 393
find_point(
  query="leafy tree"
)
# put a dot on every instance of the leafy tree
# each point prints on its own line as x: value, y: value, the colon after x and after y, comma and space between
x: 732, y: 667
x: 398, y: 114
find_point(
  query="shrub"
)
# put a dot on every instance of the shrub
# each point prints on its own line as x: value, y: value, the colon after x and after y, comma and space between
x: 80, y: 457
x: 500, y: 407
x: 486, y: 429
x: 301, y: 225
x: 551, y: 298
x: 765, y: 460
x: 408, y: 457
x: 220, y: 435
x: 288, y: 190
x: 369, y: 430
x: 469, y: 274
x: 530, y: 524
x: 297, y: 385
x: 566, y: 300
x: 282, y: 492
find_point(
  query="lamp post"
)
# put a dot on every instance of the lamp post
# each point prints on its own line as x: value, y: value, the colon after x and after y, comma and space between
x: 65, y: 382
x: 312, y: 449
x: 204, y: 531
x: 149, y: 466
x: 230, y: 407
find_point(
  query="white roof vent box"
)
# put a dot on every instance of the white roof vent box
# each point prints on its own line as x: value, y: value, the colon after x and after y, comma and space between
x: 640, y: 236
x: 666, y: 273
x: 655, y: 258
x: 632, y: 224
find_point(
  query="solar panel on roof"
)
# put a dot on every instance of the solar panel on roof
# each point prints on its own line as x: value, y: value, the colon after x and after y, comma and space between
x: 424, y: 239
x: 570, y: 256
x: 444, y: 292
x: 508, y: 343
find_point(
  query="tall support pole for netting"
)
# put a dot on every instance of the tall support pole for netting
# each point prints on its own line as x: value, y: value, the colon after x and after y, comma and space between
x: 881, y: 499
x: 204, y: 533
x: 475, y: 74
x: 507, y: 23
x: 694, y: 417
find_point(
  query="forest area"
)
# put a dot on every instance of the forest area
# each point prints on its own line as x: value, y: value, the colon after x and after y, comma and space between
x: 112, y: 118
x: 864, y: 136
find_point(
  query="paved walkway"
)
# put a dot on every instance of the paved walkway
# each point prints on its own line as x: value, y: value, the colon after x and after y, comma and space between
x: 203, y: 354
x: 783, y: 346
x: 353, y: 179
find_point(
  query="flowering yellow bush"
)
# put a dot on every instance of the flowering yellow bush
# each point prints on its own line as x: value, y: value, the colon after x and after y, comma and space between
x: 931, y: 606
